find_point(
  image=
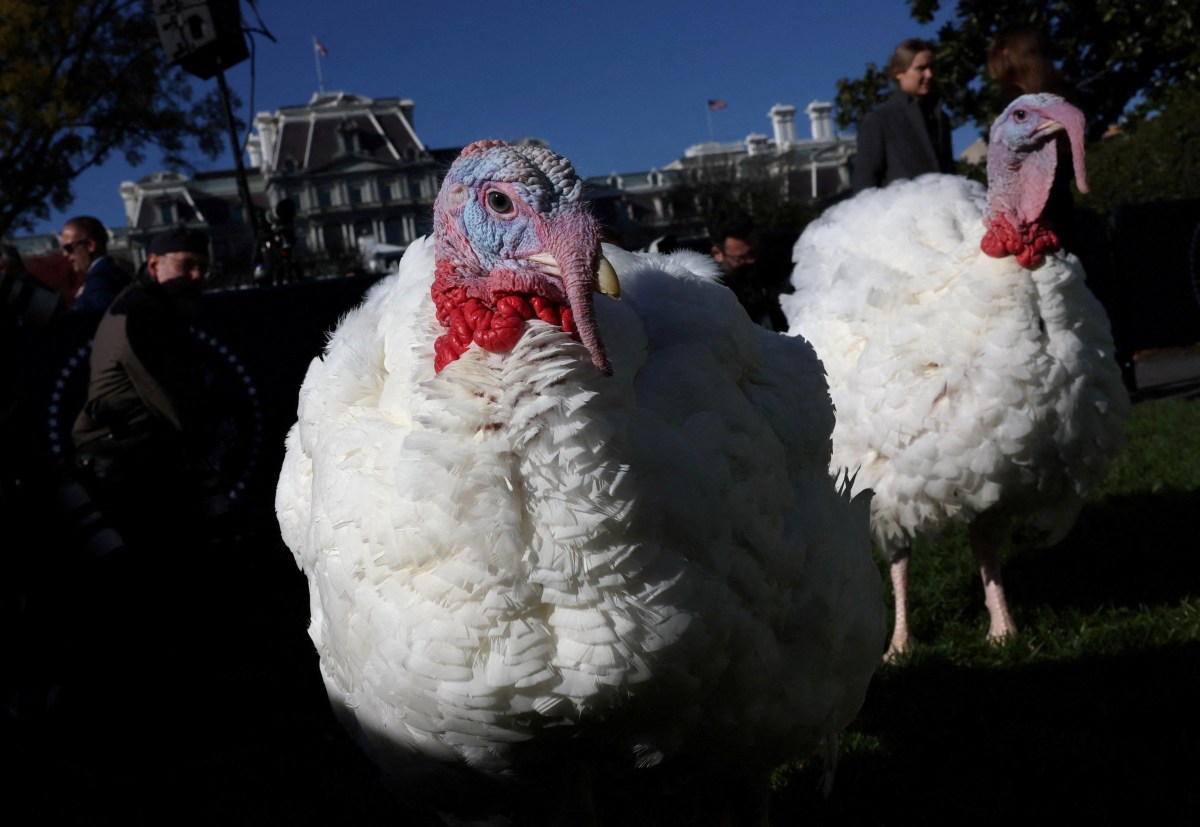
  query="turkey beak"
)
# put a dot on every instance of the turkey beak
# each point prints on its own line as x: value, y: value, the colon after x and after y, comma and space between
x: 1049, y: 128
x: 605, y: 277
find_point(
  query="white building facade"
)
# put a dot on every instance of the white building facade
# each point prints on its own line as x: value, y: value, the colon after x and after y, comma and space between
x: 806, y: 169
x: 351, y: 170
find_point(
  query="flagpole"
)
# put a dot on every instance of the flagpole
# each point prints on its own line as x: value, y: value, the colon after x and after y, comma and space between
x: 708, y: 111
x: 317, y: 61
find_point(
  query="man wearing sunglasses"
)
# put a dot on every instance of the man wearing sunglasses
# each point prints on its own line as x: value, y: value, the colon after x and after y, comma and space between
x: 84, y: 243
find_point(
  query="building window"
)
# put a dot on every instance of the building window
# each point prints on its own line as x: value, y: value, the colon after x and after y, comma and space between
x: 166, y: 212
x: 414, y: 190
x: 356, y: 193
x: 393, y: 231
x: 325, y: 197
x: 385, y: 191
x: 331, y: 234
x: 350, y: 138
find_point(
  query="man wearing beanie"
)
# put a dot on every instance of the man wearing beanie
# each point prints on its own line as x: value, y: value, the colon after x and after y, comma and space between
x: 140, y: 439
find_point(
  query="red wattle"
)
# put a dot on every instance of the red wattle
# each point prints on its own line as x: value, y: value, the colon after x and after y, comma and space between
x: 1003, y: 239
x: 495, y: 329
x: 546, y: 310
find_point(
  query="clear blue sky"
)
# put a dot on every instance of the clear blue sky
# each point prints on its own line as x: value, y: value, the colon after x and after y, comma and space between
x: 619, y: 85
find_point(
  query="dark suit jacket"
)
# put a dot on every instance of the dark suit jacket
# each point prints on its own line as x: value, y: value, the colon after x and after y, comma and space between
x: 894, y: 144
x: 101, y: 284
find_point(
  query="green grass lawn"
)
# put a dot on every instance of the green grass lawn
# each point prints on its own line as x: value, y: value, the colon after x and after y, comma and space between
x: 1095, y: 706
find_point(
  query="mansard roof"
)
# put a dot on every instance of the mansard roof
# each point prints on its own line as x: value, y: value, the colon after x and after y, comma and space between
x: 334, y: 126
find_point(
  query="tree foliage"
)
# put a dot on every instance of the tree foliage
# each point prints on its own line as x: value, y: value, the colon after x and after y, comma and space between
x: 1122, y: 57
x: 1157, y: 160
x: 757, y: 188
x: 80, y: 80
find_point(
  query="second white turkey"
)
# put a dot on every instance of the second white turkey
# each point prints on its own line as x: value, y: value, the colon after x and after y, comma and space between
x: 971, y: 368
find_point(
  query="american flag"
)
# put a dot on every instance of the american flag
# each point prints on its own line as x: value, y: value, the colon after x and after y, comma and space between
x: 321, y: 50
x: 715, y: 104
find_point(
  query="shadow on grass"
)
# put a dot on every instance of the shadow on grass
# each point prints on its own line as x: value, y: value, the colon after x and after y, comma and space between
x: 1127, y: 551
x: 220, y: 717
x: 1078, y: 741
x: 1091, y: 712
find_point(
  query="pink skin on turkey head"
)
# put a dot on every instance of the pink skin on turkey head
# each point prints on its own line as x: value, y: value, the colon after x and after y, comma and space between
x: 500, y: 207
x: 1022, y: 160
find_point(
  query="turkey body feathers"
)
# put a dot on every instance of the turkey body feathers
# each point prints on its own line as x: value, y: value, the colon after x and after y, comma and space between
x: 516, y: 547
x: 962, y: 383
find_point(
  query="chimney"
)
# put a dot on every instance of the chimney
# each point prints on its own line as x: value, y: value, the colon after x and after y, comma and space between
x: 265, y: 124
x: 756, y: 144
x: 254, y: 151
x: 129, y: 194
x: 820, y: 113
x: 783, y: 117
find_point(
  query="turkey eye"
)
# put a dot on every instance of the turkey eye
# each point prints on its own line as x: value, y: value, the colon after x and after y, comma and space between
x: 1020, y: 115
x: 499, y: 203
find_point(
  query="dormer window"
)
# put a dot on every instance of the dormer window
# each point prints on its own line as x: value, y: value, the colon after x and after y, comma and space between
x: 351, y: 142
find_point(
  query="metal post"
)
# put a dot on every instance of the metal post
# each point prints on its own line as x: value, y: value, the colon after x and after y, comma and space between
x: 243, y: 183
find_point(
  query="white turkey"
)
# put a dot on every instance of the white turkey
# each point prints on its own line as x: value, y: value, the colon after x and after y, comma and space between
x: 971, y: 368
x: 547, y: 537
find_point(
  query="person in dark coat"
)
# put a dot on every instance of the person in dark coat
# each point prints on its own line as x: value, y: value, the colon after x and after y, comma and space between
x: 141, y: 437
x: 755, y: 279
x: 909, y: 135
x: 142, y: 446
x: 84, y: 242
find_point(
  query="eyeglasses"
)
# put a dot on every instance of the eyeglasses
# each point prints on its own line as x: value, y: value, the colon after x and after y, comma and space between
x: 738, y: 261
x: 69, y: 246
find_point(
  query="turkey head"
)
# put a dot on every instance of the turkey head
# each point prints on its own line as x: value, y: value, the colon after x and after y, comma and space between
x: 514, y: 240
x: 1022, y: 160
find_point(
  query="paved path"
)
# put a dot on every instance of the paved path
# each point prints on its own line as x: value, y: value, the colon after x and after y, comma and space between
x: 1167, y: 372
